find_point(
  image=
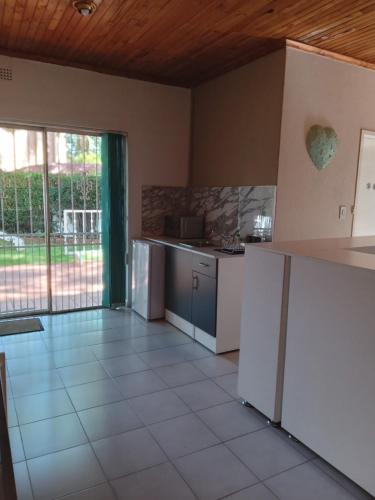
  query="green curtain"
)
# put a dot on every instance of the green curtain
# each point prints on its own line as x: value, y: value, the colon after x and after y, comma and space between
x: 113, y: 218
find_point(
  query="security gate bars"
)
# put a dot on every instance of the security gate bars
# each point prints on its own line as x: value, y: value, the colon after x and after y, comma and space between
x: 50, y: 221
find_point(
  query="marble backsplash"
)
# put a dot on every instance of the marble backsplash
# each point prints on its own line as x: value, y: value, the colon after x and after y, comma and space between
x: 225, y: 208
x: 159, y: 201
x: 220, y: 208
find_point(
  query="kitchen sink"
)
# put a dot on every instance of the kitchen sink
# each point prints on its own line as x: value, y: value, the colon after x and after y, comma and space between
x: 195, y: 244
x: 231, y: 251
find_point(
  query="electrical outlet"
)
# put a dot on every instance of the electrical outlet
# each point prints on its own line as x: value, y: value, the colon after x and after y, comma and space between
x: 342, y: 212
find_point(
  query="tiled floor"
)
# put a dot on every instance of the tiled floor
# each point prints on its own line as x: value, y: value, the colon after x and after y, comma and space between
x: 104, y: 406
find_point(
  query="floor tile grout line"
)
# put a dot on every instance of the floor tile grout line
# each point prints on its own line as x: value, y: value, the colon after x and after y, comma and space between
x: 47, y: 418
x: 143, y: 333
x: 92, y: 310
x: 122, y: 374
x: 230, y: 451
x: 93, y: 449
x: 76, y: 412
x: 307, y: 460
x: 336, y: 480
x: 66, y: 387
x: 82, y: 444
x: 172, y: 459
x: 183, y: 479
x: 108, y: 376
x: 111, y: 341
x: 142, y: 470
x: 310, y: 460
x: 91, y: 346
x: 67, y: 495
x: 60, y: 449
x: 143, y: 426
x: 35, y: 393
x: 221, y: 442
x: 194, y: 412
x: 69, y: 324
x: 205, y: 407
x: 105, y: 369
x: 134, y: 472
x: 273, y: 475
x: 124, y: 397
x: 97, y: 328
x: 212, y: 430
x: 25, y: 459
x: 269, y: 489
x: 130, y: 338
x: 246, y: 487
x: 29, y: 476
x: 88, y: 442
x: 41, y: 419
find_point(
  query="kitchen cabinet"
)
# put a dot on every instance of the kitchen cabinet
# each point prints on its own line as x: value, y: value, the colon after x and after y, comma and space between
x: 203, y: 296
x: 189, y: 294
x: 328, y: 401
x: 263, y: 331
x: 308, y: 346
x: 178, y: 282
x: 203, y: 310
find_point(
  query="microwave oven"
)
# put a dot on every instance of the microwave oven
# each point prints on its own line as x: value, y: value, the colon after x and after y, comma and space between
x: 184, y: 226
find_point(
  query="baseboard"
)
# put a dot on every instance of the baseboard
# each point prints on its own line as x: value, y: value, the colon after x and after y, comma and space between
x: 205, y: 339
x: 179, y: 323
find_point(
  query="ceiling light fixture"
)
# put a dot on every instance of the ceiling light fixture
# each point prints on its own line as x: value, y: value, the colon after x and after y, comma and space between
x: 85, y: 8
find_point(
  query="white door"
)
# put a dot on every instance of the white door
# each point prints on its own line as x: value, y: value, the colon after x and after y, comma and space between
x: 364, y: 210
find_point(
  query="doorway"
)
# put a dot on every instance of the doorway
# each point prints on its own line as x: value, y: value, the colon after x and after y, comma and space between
x: 51, y: 256
x: 364, y: 209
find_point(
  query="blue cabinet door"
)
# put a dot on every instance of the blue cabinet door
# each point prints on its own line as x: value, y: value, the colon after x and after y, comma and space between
x: 178, y: 282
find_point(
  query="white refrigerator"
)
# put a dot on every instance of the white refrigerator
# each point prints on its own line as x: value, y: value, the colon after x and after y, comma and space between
x: 148, y: 279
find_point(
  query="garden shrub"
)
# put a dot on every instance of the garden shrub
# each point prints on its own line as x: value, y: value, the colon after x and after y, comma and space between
x: 29, y: 193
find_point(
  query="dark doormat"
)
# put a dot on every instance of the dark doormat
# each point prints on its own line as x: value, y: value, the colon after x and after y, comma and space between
x: 14, y: 326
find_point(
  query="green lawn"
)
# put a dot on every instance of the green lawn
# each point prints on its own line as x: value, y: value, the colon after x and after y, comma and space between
x: 9, y: 256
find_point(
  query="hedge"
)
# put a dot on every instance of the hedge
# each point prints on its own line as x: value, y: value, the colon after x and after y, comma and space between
x: 30, y: 192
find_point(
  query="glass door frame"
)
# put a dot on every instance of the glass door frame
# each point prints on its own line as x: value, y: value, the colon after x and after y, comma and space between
x: 44, y: 129
x: 18, y: 126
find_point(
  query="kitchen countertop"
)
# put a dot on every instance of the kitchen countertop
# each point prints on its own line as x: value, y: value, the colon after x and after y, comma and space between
x: 335, y: 250
x: 207, y: 251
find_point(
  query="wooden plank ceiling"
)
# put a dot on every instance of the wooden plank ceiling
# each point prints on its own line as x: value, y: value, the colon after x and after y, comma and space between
x: 182, y: 42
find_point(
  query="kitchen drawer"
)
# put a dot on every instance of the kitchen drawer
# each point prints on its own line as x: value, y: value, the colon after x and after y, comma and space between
x: 205, y: 265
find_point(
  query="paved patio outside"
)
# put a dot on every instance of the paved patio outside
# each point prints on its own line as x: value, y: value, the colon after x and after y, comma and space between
x: 23, y: 288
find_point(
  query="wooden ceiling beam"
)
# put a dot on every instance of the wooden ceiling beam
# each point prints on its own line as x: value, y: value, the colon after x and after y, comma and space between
x: 328, y: 53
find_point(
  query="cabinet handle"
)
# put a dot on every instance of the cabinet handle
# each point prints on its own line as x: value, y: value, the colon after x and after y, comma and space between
x: 195, y: 282
x: 204, y: 264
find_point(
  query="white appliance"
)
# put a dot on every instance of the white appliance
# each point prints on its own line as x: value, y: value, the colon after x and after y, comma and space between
x: 148, y: 279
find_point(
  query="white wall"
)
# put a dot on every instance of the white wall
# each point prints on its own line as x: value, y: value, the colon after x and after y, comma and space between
x: 236, y: 125
x: 323, y: 91
x: 155, y: 117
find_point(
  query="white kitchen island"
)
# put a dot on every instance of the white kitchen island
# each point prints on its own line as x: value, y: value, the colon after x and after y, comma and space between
x: 307, y: 353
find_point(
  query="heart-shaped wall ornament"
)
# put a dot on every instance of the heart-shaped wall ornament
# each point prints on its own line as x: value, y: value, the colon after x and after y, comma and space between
x: 321, y: 143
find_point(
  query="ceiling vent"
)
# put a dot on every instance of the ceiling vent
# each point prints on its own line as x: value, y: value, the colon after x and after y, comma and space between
x: 6, y: 74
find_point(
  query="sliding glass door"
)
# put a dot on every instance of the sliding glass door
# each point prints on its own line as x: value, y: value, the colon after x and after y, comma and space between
x: 75, y: 223
x: 23, y: 239
x: 50, y: 221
